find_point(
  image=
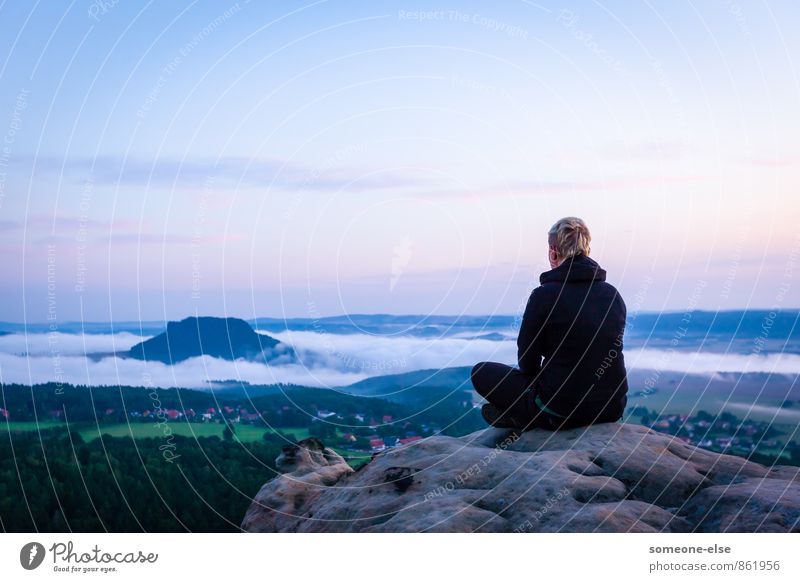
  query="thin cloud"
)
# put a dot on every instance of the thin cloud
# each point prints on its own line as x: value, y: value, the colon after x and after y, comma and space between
x: 772, y: 161
x: 541, y: 188
x: 199, y: 172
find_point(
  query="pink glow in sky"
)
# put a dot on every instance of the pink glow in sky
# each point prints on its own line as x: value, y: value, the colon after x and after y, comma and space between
x: 256, y: 160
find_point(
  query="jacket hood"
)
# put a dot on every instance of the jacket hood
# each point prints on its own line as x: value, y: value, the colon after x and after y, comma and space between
x: 578, y: 268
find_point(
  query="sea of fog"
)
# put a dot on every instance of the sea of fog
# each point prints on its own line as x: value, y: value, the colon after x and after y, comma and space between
x: 326, y: 358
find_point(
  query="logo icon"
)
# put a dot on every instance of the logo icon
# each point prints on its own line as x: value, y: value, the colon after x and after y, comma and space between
x: 31, y: 555
x: 402, y: 253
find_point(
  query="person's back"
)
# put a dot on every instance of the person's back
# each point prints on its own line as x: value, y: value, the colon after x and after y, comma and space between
x: 571, y: 368
x: 570, y: 341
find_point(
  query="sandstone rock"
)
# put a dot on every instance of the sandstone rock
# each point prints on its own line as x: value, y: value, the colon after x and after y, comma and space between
x: 310, y: 468
x: 609, y: 477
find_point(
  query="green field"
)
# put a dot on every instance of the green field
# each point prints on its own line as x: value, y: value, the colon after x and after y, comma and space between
x: 244, y: 432
x: 43, y: 425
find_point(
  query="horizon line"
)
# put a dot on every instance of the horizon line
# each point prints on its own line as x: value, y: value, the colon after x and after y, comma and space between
x: 378, y: 314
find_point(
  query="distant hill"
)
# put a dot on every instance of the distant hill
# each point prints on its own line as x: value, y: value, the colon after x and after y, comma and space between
x: 383, y: 324
x: 734, y: 330
x: 414, y: 387
x: 494, y: 337
x: 88, y: 327
x: 227, y: 338
x: 749, y: 331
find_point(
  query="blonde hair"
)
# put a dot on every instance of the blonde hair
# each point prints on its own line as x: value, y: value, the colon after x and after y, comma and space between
x: 570, y: 237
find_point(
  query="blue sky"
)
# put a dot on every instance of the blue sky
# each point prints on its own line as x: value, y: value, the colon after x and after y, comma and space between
x: 306, y: 159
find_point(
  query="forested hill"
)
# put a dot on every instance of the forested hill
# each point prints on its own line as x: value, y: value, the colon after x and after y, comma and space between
x: 270, y: 405
x: 54, y: 481
x: 181, y: 459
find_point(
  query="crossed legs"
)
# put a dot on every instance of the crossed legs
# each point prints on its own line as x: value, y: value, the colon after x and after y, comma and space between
x: 505, y: 387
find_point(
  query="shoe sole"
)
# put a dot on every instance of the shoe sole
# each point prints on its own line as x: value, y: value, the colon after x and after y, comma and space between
x: 491, y: 417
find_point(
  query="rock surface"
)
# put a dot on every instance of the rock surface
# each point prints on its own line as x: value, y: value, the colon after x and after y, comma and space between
x: 608, y: 478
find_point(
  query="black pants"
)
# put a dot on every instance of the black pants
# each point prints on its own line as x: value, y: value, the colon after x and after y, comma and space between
x: 509, y: 390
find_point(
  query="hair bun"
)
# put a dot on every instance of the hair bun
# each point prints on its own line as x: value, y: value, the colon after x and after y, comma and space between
x: 570, y: 237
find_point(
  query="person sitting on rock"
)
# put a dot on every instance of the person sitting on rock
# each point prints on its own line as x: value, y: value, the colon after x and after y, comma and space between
x: 571, y: 371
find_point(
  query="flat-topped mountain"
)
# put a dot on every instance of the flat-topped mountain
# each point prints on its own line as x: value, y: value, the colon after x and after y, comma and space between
x: 219, y: 337
x: 606, y: 478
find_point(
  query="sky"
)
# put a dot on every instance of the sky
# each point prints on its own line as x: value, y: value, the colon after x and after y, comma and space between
x: 304, y: 159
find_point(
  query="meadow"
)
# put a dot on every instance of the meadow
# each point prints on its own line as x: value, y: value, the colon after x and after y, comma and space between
x: 245, y: 433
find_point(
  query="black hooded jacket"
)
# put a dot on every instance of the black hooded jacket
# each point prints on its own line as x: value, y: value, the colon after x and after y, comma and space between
x: 570, y: 341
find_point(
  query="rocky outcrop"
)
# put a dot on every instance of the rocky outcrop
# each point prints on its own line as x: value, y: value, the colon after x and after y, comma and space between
x: 310, y: 468
x: 608, y: 478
